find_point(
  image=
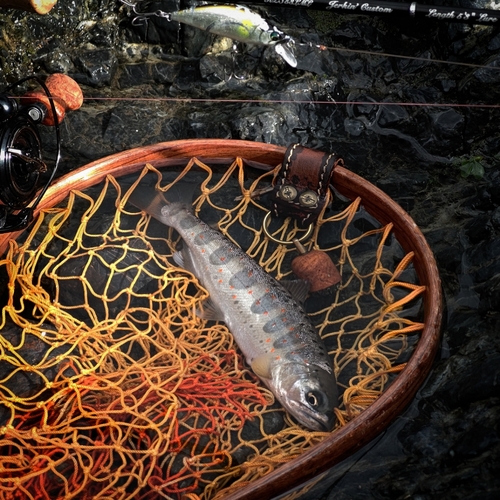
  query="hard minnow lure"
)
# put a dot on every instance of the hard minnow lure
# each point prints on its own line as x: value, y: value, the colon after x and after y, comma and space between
x: 269, y: 324
x: 232, y: 21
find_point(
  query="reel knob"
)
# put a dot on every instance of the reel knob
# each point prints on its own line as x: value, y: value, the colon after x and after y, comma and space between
x: 66, y: 93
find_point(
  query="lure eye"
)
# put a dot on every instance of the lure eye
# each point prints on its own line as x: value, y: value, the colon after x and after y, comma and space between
x: 276, y: 36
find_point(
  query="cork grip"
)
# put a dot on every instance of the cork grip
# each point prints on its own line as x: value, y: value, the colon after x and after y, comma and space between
x: 38, y: 6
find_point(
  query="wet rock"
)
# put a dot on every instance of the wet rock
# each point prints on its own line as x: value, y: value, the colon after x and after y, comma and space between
x: 448, y: 124
x: 494, y: 44
x: 445, y: 243
x: 401, y: 184
x: 97, y: 66
x: 479, y: 228
x: 392, y: 115
x: 353, y: 127
x: 314, y: 60
x: 260, y: 124
x: 495, y: 218
x: 482, y: 83
x: 131, y: 75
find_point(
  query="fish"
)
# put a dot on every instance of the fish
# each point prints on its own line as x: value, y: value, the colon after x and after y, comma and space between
x: 265, y: 316
x: 232, y: 21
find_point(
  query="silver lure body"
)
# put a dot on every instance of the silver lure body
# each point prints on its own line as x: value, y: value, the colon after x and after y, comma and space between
x: 270, y: 327
x: 235, y: 22
x: 238, y: 23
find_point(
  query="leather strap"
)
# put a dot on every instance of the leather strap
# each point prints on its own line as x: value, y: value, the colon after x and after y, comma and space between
x: 300, y: 189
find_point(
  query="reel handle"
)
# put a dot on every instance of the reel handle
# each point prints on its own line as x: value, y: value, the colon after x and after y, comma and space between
x: 37, y: 6
x: 67, y: 96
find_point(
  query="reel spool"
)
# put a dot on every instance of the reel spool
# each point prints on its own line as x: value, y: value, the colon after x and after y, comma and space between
x: 23, y: 171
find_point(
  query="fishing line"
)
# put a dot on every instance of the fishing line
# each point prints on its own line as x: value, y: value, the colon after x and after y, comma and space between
x: 412, y: 58
x: 188, y: 100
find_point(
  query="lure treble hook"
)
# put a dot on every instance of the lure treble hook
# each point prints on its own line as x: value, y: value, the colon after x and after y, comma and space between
x: 142, y: 17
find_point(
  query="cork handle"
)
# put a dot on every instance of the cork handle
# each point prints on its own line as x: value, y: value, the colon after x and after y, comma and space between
x: 38, y: 6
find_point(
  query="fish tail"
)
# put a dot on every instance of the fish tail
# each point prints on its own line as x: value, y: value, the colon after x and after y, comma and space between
x: 157, y: 203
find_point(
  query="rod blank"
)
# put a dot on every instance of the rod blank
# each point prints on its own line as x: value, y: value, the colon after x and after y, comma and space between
x: 383, y: 8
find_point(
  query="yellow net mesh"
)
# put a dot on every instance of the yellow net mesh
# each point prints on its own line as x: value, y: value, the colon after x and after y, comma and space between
x: 111, y: 386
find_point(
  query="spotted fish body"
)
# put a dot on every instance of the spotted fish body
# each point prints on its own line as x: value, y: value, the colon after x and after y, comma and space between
x: 269, y: 325
x: 238, y: 23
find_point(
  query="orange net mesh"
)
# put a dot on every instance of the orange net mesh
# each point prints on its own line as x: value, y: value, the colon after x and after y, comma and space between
x: 111, y: 386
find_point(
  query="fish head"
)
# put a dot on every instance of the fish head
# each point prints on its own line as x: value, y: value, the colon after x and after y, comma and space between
x: 309, y: 392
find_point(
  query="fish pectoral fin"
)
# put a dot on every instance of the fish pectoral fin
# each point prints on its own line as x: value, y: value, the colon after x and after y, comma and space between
x: 209, y: 311
x: 297, y: 288
x: 184, y: 260
x: 261, y: 365
x: 179, y: 259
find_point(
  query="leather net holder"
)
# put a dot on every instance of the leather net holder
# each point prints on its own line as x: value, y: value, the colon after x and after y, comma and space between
x: 301, y: 186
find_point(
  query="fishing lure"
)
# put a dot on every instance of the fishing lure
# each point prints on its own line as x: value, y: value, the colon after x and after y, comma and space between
x: 232, y: 21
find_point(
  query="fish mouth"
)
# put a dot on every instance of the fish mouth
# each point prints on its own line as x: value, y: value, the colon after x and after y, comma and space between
x: 323, y: 422
x: 326, y: 421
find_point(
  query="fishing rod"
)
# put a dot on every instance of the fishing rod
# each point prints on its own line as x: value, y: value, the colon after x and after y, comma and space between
x: 383, y: 8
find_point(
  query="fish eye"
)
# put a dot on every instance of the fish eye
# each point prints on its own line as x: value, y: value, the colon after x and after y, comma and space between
x: 313, y: 398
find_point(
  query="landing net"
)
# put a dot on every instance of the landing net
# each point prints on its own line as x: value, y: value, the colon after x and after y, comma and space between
x: 111, y: 386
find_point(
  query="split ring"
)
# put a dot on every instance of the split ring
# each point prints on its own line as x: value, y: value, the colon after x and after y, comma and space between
x: 265, y: 227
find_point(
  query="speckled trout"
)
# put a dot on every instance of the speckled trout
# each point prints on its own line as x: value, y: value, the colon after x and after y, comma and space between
x: 266, y: 318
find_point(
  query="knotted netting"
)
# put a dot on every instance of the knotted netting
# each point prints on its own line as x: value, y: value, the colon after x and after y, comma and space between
x: 113, y: 388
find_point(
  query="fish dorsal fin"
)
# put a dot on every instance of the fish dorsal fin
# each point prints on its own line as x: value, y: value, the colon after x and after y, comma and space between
x: 261, y: 366
x: 209, y: 311
x: 298, y: 289
x: 284, y: 50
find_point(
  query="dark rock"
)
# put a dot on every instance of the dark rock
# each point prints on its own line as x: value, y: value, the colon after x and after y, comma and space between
x: 97, y: 66
x: 143, y: 73
x: 401, y: 184
x: 479, y: 228
x: 483, y: 253
x: 482, y: 83
x: 495, y: 218
x: 448, y: 124
x: 353, y: 127
x: 391, y: 115
x: 494, y: 44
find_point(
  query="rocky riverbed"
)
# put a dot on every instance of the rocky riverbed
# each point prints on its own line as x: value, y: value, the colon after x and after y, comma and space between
x: 438, y: 158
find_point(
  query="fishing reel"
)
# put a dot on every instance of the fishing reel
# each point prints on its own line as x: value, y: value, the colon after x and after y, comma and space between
x: 24, y: 174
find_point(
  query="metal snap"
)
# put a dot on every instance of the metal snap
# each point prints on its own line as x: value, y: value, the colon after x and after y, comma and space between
x: 287, y: 193
x: 308, y: 199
